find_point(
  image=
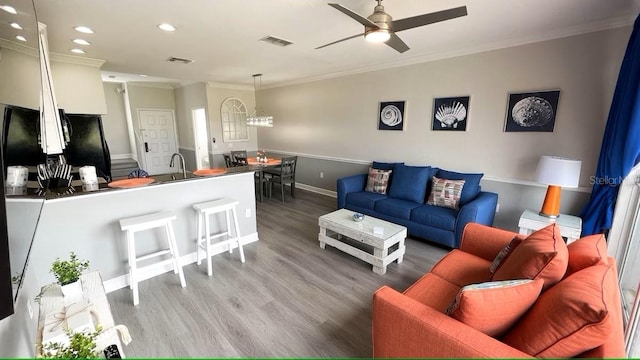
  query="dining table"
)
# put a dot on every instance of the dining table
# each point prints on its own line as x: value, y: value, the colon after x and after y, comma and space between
x: 260, y: 166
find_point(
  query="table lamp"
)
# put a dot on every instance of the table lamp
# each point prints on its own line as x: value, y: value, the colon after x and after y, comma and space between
x: 557, y: 172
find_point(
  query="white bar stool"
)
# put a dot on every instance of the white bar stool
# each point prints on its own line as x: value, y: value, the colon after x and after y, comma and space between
x: 205, y: 210
x: 147, y: 222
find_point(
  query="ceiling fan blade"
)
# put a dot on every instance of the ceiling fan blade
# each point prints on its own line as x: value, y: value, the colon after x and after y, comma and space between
x: 357, y: 17
x: 397, y: 43
x: 426, y: 19
x: 341, y: 40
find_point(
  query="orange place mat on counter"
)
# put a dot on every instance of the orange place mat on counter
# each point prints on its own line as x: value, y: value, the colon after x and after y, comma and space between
x: 209, y: 172
x: 129, y: 183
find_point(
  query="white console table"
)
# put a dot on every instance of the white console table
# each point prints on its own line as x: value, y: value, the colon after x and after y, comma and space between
x: 52, y: 301
x: 570, y: 226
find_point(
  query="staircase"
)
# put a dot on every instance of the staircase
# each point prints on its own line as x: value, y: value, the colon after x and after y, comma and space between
x: 122, y: 167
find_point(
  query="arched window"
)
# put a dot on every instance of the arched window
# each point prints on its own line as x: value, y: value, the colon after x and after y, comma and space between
x: 233, y: 113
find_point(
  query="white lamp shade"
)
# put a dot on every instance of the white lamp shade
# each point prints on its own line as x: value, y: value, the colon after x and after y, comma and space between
x: 558, y: 171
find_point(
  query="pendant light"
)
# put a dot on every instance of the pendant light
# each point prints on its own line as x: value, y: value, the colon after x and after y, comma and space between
x: 257, y: 118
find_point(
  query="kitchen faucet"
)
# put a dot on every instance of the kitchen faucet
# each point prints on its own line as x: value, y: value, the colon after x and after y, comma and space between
x: 184, y: 170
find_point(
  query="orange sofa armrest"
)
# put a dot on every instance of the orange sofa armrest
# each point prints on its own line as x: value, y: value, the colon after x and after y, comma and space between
x: 485, y: 241
x: 406, y: 328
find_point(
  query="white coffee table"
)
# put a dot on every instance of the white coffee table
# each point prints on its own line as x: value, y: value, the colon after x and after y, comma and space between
x: 335, y: 225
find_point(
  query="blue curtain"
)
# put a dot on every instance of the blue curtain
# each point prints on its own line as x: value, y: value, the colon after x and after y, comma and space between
x: 620, y: 150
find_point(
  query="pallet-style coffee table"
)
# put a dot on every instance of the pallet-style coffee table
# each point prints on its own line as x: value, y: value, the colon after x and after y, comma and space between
x: 338, y: 224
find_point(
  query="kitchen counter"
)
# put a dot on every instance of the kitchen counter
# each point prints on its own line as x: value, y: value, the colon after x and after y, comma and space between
x: 33, y: 191
x: 87, y: 223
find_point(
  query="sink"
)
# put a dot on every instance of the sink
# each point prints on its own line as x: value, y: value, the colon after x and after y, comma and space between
x: 210, y: 172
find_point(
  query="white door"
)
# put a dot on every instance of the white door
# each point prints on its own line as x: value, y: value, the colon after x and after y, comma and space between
x: 201, y: 138
x: 159, y: 140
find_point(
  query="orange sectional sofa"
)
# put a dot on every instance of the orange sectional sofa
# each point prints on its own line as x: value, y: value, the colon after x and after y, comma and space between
x: 505, y: 296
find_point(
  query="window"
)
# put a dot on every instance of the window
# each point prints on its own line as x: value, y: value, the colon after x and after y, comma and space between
x: 234, y: 120
x: 624, y: 246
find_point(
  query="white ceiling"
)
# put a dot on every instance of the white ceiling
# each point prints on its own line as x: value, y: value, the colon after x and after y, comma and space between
x: 222, y: 36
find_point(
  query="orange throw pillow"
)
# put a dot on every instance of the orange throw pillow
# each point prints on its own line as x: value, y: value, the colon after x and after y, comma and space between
x: 571, y: 317
x: 587, y: 251
x: 493, y: 307
x: 542, y: 255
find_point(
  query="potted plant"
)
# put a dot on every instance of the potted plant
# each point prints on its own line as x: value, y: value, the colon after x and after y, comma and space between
x: 68, y: 272
x: 81, y: 345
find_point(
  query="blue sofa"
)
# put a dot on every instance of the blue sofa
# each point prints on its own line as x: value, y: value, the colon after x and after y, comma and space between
x: 405, y: 202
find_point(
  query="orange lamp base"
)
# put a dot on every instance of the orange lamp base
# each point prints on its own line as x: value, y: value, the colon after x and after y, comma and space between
x: 551, y: 205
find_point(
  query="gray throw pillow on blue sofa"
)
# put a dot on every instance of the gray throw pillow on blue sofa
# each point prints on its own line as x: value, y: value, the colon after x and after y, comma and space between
x: 410, y: 182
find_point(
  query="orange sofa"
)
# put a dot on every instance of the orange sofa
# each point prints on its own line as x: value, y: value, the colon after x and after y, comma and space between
x: 570, y: 307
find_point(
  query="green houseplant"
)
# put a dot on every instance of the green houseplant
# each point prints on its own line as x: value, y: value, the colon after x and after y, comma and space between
x: 81, y: 345
x: 68, y: 272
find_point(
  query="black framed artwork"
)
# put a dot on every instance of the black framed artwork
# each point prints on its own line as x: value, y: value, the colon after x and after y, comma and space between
x: 450, y: 113
x: 532, y: 111
x: 391, y: 115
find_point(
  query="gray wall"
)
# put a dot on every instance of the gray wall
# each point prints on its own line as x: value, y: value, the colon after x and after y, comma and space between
x: 20, y: 74
x: 513, y: 197
x: 189, y: 98
x: 332, y: 123
x: 115, y: 121
x: 148, y: 96
x: 216, y: 95
x: 78, y: 86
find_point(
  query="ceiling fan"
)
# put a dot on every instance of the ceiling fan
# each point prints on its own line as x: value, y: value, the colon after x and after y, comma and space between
x: 380, y: 27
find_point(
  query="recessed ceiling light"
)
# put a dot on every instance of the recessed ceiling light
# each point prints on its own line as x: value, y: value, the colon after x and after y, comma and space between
x: 83, y: 29
x: 21, y: 38
x: 166, y: 27
x: 16, y: 26
x: 143, y: 75
x: 81, y: 42
x: 77, y: 51
x: 9, y: 9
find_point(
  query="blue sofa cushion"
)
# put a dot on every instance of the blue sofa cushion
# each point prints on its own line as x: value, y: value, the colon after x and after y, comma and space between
x: 436, y: 216
x: 396, y: 207
x: 471, y: 187
x: 384, y: 165
x: 410, y: 182
x: 364, y: 199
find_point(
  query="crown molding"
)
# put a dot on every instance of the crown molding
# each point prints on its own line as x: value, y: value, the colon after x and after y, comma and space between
x: 503, y: 44
x: 23, y: 49
x: 154, y: 85
x: 229, y: 86
x: 76, y: 60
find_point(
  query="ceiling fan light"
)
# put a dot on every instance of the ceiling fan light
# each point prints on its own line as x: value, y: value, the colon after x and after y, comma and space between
x: 378, y: 36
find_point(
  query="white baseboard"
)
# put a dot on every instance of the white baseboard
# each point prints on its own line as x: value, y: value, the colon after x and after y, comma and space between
x: 317, y: 190
x: 122, y: 281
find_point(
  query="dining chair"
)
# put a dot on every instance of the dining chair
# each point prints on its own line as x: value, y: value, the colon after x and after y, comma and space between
x: 285, y: 175
x: 227, y: 160
x: 239, y: 158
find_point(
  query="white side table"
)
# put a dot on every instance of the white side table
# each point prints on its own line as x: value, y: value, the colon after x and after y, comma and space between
x: 570, y: 226
x: 51, y: 301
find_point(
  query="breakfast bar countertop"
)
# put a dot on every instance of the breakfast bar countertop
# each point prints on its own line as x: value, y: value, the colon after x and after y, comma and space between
x: 77, y: 189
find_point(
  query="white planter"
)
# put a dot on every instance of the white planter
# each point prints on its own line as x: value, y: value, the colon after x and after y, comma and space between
x: 73, y: 290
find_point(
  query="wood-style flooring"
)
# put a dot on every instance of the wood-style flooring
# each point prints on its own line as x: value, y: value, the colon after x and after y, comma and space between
x: 289, y: 299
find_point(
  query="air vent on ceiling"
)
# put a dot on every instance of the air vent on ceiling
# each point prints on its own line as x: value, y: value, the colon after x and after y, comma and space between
x: 180, y: 60
x: 276, y: 41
